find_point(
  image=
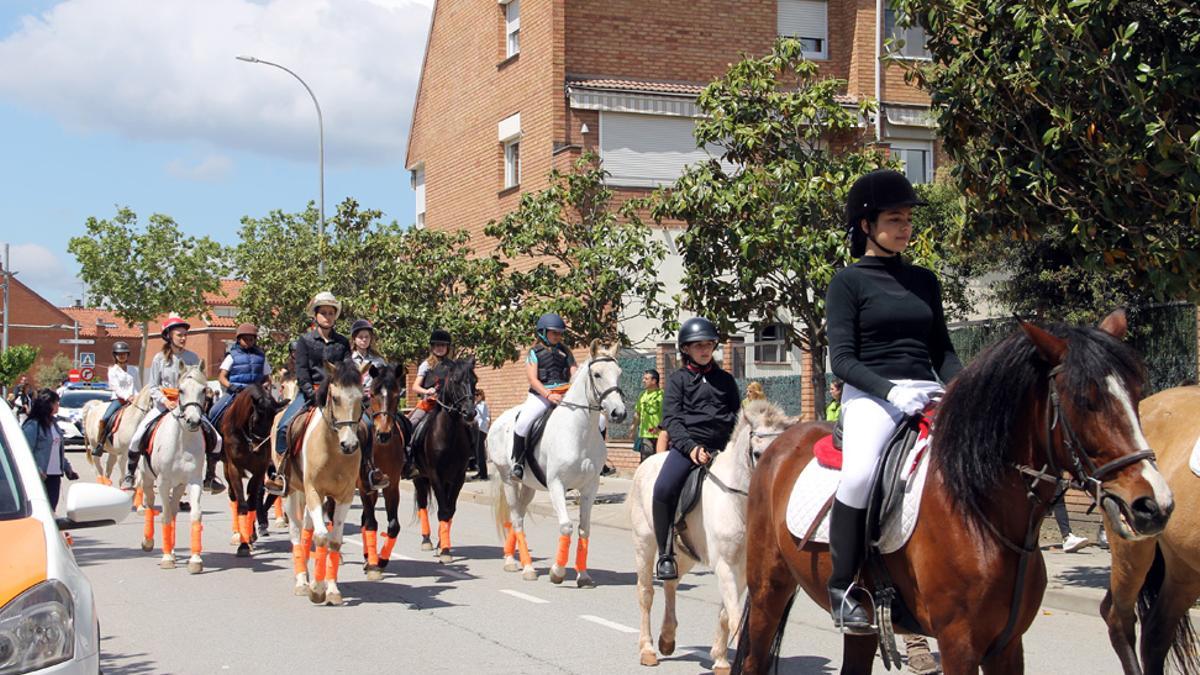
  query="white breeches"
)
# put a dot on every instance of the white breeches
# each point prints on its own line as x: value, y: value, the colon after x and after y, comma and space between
x: 147, y: 421
x: 867, y: 424
x: 533, y: 408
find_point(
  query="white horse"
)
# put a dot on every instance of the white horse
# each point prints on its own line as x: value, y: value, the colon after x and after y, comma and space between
x: 176, y: 463
x: 116, y: 448
x: 718, y: 541
x: 571, y: 453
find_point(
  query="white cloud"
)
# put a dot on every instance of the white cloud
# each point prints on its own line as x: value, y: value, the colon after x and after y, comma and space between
x: 42, y: 270
x: 210, y: 169
x: 165, y: 70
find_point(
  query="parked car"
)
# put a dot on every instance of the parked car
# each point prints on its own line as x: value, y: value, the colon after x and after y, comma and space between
x: 70, y: 412
x: 48, y: 621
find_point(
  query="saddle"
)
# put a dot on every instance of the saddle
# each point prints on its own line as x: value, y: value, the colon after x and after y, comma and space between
x: 295, y: 430
x: 147, y: 442
x: 116, y: 419
x: 532, y: 441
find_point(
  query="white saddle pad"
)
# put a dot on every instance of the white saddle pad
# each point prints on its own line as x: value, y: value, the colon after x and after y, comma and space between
x: 1194, y: 460
x: 817, y: 484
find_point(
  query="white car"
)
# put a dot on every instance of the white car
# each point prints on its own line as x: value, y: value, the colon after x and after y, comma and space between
x: 48, y: 621
x: 70, y: 412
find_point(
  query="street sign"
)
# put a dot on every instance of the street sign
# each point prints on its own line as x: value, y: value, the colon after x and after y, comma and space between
x: 73, y: 375
x: 86, y: 374
x: 77, y: 341
x: 87, y: 359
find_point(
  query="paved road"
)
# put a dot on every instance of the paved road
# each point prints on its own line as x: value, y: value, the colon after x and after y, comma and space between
x: 426, y: 617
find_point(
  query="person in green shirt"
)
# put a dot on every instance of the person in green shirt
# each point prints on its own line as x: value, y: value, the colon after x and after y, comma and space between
x: 834, y: 409
x: 648, y: 414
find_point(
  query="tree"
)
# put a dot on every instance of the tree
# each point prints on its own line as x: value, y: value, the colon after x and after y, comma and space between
x: 52, y: 374
x: 1075, y: 127
x: 596, y: 263
x: 143, y: 273
x: 765, y: 224
x: 14, y: 362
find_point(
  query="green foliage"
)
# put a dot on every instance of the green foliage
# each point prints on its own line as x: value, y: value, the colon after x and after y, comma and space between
x: 935, y: 244
x: 1074, y: 127
x: 14, y: 361
x: 596, y: 264
x: 52, y: 374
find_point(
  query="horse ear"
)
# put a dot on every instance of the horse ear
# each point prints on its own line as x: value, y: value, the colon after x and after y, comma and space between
x: 373, y: 370
x: 595, y: 348
x: 330, y: 370
x: 470, y: 363
x: 1115, y: 324
x: 1051, y: 348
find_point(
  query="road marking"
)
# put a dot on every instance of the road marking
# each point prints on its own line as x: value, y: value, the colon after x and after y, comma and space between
x: 608, y: 624
x: 527, y: 598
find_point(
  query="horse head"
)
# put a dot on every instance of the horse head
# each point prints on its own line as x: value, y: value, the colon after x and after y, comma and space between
x: 603, y: 381
x: 1093, y: 430
x: 192, y: 385
x: 264, y: 405
x: 761, y: 422
x: 341, y: 402
x: 458, y: 391
x: 386, y: 391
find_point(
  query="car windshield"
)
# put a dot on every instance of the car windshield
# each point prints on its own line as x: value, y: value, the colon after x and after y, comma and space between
x: 76, y: 399
x: 12, y: 499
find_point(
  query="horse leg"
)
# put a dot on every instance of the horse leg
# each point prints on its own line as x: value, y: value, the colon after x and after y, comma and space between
x: 666, y: 636
x: 558, y: 499
x: 858, y: 653
x: 645, y: 550
x: 315, y: 512
x: 519, y: 507
x: 1161, y: 627
x: 447, y: 499
x: 391, y: 503
x: 301, y: 540
x: 1131, y: 561
x: 169, y: 508
x: 772, y: 589
x: 370, y: 536
x: 731, y: 585
x: 336, y: 532
x: 421, y: 491
x: 587, y: 498
x: 195, y: 564
x: 961, y: 657
x: 509, y: 493
x: 256, y: 514
x: 148, y: 529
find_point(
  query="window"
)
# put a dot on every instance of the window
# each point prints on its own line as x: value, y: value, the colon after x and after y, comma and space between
x: 418, y: 185
x: 916, y: 159
x: 225, y: 312
x: 512, y: 164
x: 512, y: 28
x: 771, y: 344
x: 913, y: 37
x: 648, y: 150
x: 807, y: 21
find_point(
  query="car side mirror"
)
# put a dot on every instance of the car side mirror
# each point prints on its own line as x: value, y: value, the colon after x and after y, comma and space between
x: 93, y: 505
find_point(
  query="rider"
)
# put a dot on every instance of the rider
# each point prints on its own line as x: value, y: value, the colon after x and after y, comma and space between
x: 314, y: 349
x: 888, y: 341
x: 244, y: 365
x: 168, y: 365
x: 363, y: 354
x: 124, y: 380
x: 700, y: 408
x: 430, y: 375
x: 549, y: 369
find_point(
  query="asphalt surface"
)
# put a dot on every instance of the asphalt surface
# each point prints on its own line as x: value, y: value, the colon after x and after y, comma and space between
x: 240, y: 616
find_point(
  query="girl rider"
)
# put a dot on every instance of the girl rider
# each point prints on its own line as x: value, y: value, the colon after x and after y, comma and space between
x: 549, y: 369
x: 700, y: 408
x: 124, y: 380
x: 244, y: 365
x: 430, y: 375
x: 888, y: 341
x: 314, y: 349
x: 363, y: 354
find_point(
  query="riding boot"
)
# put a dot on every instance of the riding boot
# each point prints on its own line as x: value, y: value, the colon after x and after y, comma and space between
x: 518, y: 457
x: 135, y: 455
x: 373, y: 477
x: 847, y: 544
x: 664, y: 532
x: 277, y: 484
x: 211, y: 483
x: 100, y: 439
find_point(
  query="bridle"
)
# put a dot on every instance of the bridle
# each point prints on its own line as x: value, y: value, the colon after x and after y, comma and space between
x: 384, y: 413
x: 181, y: 409
x: 595, y: 401
x: 334, y: 423
x: 456, y: 406
x: 754, y: 433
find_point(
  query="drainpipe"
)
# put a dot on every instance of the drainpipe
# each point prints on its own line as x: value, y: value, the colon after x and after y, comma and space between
x: 879, y: 69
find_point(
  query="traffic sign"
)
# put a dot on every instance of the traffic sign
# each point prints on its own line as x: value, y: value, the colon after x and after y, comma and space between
x: 87, y: 359
x: 77, y: 341
x: 73, y: 375
x: 86, y: 374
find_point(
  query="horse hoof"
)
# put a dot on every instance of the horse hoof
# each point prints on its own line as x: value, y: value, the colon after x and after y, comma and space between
x: 721, y: 670
x: 147, y: 545
x: 426, y: 544
x: 649, y: 659
x: 511, y: 567
x: 141, y: 509
x: 243, y: 551
x: 383, y: 562
x: 334, y: 599
x: 235, y: 540
x: 166, y: 564
x: 195, y: 567
x: 281, y: 523
x: 585, y: 582
x: 300, y: 590
x: 316, y: 598
x: 557, y: 577
x: 445, y: 557
x: 529, y: 575
x: 374, y: 574
x: 665, y: 646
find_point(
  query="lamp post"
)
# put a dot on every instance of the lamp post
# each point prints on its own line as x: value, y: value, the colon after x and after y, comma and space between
x: 320, y: 153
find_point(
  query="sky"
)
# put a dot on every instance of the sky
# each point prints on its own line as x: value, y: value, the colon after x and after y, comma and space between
x: 141, y: 103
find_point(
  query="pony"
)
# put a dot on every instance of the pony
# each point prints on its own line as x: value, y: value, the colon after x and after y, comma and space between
x: 571, y: 453
x: 715, y: 530
x: 247, y: 431
x: 116, y: 448
x: 387, y: 388
x: 441, y: 459
x: 1157, y: 580
x: 1037, y: 403
x: 327, y: 471
x: 174, y: 464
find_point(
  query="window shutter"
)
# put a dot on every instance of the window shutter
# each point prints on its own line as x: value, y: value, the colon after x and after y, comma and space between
x: 803, y: 19
x: 647, y: 150
x: 419, y: 191
x: 512, y: 17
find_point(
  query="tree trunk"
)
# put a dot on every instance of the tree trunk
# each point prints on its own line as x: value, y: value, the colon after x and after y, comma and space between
x: 145, y: 345
x: 817, y: 368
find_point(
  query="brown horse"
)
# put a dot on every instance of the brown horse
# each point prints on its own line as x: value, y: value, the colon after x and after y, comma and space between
x: 1159, y: 579
x: 1031, y: 406
x: 387, y: 388
x: 247, y: 431
x: 449, y: 443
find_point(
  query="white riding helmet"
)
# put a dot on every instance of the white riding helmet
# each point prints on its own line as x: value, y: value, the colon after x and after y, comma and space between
x: 324, y: 299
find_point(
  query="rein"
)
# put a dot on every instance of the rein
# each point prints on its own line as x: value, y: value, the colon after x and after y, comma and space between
x: 753, y: 463
x: 598, y: 399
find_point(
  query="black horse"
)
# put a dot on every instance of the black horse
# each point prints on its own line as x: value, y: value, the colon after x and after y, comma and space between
x: 442, y: 454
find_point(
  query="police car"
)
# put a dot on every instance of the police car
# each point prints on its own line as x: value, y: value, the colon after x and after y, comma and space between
x: 70, y: 410
x: 48, y: 621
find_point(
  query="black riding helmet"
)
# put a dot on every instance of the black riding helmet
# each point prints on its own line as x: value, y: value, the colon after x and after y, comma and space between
x: 361, y: 324
x: 876, y: 191
x: 120, y: 347
x: 696, y: 329
x: 439, y: 337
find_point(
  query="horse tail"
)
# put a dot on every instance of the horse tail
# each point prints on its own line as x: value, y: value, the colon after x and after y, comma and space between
x: 499, y: 505
x: 744, y: 644
x: 1184, y: 653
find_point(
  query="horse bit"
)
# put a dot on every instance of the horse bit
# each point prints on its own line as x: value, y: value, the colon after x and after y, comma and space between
x: 592, y: 389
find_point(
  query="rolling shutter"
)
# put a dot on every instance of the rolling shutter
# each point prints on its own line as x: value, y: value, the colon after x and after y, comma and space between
x: 647, y: 150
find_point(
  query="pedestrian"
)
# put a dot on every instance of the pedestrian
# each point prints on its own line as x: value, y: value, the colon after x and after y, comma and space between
x: 20, y: 398
x: 754, y: 392
x: 124, y: 380
x: 46, y: 442
x: 888, y: 340
x: 1071, y: 541
x: 700, y: 407
x: 549, y: 368
x: 647, y: 415
x: 834, y: 410
x: 483, y: 420
x: 430, y: 375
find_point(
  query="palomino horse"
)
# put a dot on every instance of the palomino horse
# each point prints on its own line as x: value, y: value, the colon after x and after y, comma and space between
x: 247, y: 431
x: 387, y: 388
x: 175, y: 463
x: 716, y: 527
x: 116, y: 448
x: 442, y: 458
x: 1160, y: 578
x: 327, y: 470
x: 571, y: 453
x: 1036, y: 404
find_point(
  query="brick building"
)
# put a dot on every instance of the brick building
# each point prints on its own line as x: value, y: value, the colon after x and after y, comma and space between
x: 211, y: 333
x: 511, y: 89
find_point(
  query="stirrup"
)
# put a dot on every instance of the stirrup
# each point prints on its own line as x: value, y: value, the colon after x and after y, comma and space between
x: 518, y: 471
x: 270, y: 485
x: 375, y: 485
x: 839, y: 623
x: 98, y: 451
x: 666, y: 569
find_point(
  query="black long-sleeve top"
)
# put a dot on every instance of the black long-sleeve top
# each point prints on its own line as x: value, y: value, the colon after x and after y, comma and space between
x: 700, y: 408
x: 885, y: 322
x: 312, y: 353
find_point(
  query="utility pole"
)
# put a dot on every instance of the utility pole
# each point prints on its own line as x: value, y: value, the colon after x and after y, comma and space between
x: 7, y: 276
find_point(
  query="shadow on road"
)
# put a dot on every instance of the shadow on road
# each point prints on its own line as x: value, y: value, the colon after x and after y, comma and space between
x: 125, y: 664
x: 1089, y: 577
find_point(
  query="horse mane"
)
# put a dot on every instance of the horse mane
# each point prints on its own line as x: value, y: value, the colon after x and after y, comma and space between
x: 344, y: 375
x: 982, y: 416
x: 386, y: 378
x: 767, y: 413
x: 242, y: 406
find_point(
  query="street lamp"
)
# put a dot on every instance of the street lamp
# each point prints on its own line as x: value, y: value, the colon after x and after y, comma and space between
x: 320, y: 153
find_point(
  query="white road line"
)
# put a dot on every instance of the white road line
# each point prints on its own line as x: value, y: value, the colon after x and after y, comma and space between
x: 522, y: 596
x: 608, y: 624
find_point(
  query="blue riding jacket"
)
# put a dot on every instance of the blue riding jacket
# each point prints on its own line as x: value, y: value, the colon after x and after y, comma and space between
x: 247, y: 368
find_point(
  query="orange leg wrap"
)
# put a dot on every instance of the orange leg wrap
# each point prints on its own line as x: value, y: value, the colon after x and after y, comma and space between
x: 148, y: 528
x: 169, y: 538
x: 306, y: 542
x: 389, y: 543
x: 320, y: 559
x: 278, y: 509
x: 526, y: 559
x: 581, y: 555
x: 299, y: 559
x: 235, y: 523
x: 137, y: 498
x: 197, y: 537
x: 564, y: 550
x: 423, y: 514
x: 335, y: 561
x: 444, y: 535
x: 246, y: 526
x: 510, y: 539
x: 370, y: 545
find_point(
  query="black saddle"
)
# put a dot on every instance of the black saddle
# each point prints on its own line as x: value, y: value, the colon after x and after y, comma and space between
x: 888, y: 485
x: 689, y: 496
x: 416, y: 432
x: 532, y: 441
